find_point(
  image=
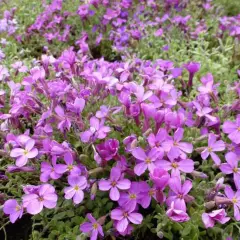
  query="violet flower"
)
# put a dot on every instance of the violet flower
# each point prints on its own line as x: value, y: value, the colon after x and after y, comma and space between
x: 192, y: 68
x: 235, y: 198
x: 23, y: 154
x: 209, y: 219
x: 114, y: 183
x: 12, y: 208
x: 97, y: 130
x: 177, y: 215
x: 179, y: 193
x: 213, y: 146
x: 125, y: 215
x: 75, y: 191
x: 231, y: 167
x: 108, y: 149
x: 93, y: 228
x: 44, y: 196
x: 233, y: 129
x: 160, y: 178
x: 148, y: 161
x: 175, y: 148
x: 49, y: 171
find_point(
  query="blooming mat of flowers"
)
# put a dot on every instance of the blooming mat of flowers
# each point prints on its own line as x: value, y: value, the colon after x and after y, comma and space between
x: 117, y: 121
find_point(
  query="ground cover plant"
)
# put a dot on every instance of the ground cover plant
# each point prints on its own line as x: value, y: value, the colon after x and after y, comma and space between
x: 119, y: 119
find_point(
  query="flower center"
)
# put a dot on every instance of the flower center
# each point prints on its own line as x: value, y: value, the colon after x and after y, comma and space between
x: 175, y: 144
x: 180, y: 196
x: 17, y: 208
x: 234, y: 200
x: 95, y: 226
x: 70, y: 167
x: 114, y: 183
x: 238, y: 129
x: 40, y: 199
x: 235, y: 170
x: 93, y: 129
x: 133, y: 196
x: 25, y: 152
x: 209, y: 149
x: 151, y: 192
x: 76, y: 188
x: 148, y: 161
x: 174, y: 165
x: 125, y: 214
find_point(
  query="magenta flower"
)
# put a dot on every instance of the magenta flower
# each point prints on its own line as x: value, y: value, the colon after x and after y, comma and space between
x: 235, y: 198
x: 213, y: 146
x: 208, y: 86
x: 233, y: 129
x: 93, y: 228
x: 148, y: 161
x: 192, y: 68
x: 156, y: 141
x: 177, y: 215
x: 231, y: 167
x: 48, y: 171
x: 209, y: 219
x: 97, y: 130
x: 64, y: 122
x: 146, y: 195
x: 44, y: 196
x: 179, y: 193
x: 114, y: 183
x: 177, y: 165
x: 175, y: 148
x: 204, y: 112
x: 108, y: 149
x: 125, y: 215
x: 68, y: 167
x: 12, y: 208
x: 160, y: 178
x: 77, y: 184
x: 23, y: 154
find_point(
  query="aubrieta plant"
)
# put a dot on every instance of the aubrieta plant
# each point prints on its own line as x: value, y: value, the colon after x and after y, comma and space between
x: 101, y: 140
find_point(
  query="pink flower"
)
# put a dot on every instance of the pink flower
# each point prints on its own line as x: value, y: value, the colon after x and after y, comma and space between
x: 12, y: 208
x: 177, y: 215
x: 77, y: 184
x: 123, y: 216
x: 231, y: 167
x: 235, y: 198
x: 209, y: 219
x: 23, y: 154
x: 160, y: 178
x: 148, y: 161
x: 114, y: 183
x: 233, y: 129
x: 175, y: 148
x: 213, y: 146
x: 93, y: 228
x: 44, y: 196
x: 179, y: 193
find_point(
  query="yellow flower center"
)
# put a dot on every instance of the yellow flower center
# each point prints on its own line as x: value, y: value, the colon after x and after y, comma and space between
x: 25, y: 152
x: 95, y: 226
x: 114, y: 184
x: 76, y: 188
x: 175, y: 144
x: 151, y: 192
x: 209, y: 149
x: 235, y: 170
x: 238, y: 129
x: 40, y: 199
x: 133, y: 196
x: 17, y: 208
x: 125, y: 214
x: 174, y: 165
x: 70, y: 167
x: 234, y: 200
x: 148, y: 160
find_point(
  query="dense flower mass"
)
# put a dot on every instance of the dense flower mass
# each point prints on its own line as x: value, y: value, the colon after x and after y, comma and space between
x: 138, y: 145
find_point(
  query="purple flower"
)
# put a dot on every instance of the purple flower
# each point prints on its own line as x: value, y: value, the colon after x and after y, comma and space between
x: 213, y: 146
x: 114, y: 183
x: 44, y: 196
x: 12, y: 208
x: 235, y: 198
x: 179, y: 193
x: 219, y: 215
x: 64, y: 123
x: 156, y: 141
x: 160, y: 178
x: 49, y: 171
x: 108, y: 149
x: 177, y: 215
x: 68, y: 167
x: 23, y: 154
x: 125, y: 215
x: 233, y: 129
x: 14, y: 169
x: 192, y: 68
x: 177, y: 165
x: 231, y: 167
x: 175, y: 148
x: 93, y: 228
x: 148, y: 161
x: 97, y: 130
x: 77, y: 184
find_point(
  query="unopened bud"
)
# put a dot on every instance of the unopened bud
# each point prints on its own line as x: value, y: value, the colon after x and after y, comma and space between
x: 93, y: 191
x: 222, y: 200
x: 199, y: 174
x: 209, y: 205
x: 95, y: 170
x: 101, y: 220
x: 160, y: 234
x: 146, y: 134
